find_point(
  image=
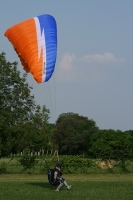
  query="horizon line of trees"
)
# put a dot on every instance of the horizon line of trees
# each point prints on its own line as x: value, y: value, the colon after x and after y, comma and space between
x: 24, y: 125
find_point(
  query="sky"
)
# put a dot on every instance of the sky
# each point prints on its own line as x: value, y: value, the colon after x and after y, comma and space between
x: 94, y: 66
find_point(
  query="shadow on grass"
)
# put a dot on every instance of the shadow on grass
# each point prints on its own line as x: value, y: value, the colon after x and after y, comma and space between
x: 41, y: 184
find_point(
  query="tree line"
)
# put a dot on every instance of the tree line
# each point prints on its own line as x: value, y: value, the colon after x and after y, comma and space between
x: 24, y: 125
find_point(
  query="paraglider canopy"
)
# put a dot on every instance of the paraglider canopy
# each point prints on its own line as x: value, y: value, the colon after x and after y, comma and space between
x: 35, y: 42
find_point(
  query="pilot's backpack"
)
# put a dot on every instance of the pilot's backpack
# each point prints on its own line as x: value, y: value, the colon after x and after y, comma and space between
x: 51, y: 177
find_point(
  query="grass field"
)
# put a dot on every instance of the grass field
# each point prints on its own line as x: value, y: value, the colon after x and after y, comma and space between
x: 84, y: 187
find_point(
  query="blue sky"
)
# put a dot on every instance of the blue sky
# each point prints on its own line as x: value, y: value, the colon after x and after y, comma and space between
x: 94, y: 68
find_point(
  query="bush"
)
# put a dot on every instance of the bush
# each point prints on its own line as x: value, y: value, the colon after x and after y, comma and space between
x: 28, y: 162
x: 3, y: 169
x: 76, y: 164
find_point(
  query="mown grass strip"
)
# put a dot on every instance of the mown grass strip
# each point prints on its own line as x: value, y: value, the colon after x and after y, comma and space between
x: 90, y: 187
x: 71, y: 177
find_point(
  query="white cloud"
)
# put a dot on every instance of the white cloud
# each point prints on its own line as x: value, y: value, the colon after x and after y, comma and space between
x: 70, y: 66
x: 105, y: 58
x: 67, y: 61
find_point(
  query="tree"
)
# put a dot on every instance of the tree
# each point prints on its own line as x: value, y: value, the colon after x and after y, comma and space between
x: 110, y: 144
x: 71, y: 132
x: 39, y: 131
x: 16, y: 105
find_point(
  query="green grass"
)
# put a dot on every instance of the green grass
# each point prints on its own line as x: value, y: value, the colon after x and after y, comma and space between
x: 84, y: 187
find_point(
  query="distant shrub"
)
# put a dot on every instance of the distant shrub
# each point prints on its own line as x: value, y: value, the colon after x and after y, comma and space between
x: 28, y: 162
x: 3, y: 168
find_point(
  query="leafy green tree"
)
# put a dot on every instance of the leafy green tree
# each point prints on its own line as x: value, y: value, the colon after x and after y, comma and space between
x: 71, y: 132
x: 110, y: 144
x: 130, y: 132
x: 34, y: 132
x: 16, y: 105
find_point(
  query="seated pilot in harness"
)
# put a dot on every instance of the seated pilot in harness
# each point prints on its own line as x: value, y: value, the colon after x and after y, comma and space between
x: 54, y: 177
